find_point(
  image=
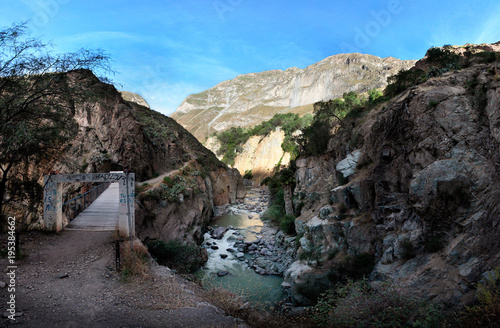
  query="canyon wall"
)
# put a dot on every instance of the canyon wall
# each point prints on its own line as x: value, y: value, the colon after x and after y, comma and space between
x: 252, y: 98
x: 414, y: 198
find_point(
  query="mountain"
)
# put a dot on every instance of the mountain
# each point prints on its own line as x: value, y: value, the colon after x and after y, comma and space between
x: 111, y: 133
x: 252, y: 98
x: 408, y: 192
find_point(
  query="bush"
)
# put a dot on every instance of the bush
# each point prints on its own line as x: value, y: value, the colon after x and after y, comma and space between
x: 248, y: 175
x: 287, y: 224
x: 357, y: 304
x: 168, y: 181
x: 486, y: 311
x: 184, y: 258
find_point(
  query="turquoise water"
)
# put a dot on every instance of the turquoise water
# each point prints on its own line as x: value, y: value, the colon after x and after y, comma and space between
x: 262, y: 290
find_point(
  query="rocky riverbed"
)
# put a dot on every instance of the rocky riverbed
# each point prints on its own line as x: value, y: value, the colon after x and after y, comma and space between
x: 265, y: 250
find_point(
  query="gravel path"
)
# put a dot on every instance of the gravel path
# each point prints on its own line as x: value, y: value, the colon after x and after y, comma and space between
x: 68, y: 280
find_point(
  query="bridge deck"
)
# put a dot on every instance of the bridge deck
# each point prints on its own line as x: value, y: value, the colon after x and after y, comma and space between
x: 101, y: 215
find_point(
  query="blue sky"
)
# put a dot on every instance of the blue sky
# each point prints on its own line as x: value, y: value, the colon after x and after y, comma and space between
x: 166, y: 50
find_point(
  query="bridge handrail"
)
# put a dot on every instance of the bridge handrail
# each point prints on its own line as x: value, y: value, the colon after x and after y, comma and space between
x: 98, y: 191
x: 82, y: 195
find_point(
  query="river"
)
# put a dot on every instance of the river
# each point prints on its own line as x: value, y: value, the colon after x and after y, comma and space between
x: 229, y: 259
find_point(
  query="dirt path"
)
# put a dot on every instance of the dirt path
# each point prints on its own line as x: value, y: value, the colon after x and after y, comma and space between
x: 93, y: 294
x: 155, y: 182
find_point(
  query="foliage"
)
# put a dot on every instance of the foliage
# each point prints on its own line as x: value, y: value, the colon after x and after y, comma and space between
x: 184, y: 258
x: 232, y: 139
x: 248, y: 175
x: 486, y: 311
x: 314, y: 138
x: 357, y: 266
x: 142, y: 188
x: 287, y: 224
x: 168, y: 181
x: 357, y: 304
x: 404, y: 80
x: 37, y: 104
x: 440, y: 60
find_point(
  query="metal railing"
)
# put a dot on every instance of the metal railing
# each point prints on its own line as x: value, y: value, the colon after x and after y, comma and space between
x: 81, y: 202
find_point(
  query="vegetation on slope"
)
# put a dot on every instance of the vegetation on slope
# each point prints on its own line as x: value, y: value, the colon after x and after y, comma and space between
x: 233, y: 139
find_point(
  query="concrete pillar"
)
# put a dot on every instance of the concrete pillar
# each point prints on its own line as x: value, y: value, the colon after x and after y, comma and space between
x: 52, y: 204
x: 127, y: 211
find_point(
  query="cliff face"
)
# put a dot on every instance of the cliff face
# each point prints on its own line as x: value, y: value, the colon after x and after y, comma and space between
x: 259, y: 154
x: 422, y: 200
x: 252, y: 98
x: 114, y: 134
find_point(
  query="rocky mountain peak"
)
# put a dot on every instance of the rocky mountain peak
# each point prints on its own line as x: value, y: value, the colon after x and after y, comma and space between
x: 249, y: 99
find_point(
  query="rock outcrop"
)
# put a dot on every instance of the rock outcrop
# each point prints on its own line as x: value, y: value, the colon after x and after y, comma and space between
x: 422, y: 205
x: 115, y: 134
x: 259, y: 154
x: 252, y: 98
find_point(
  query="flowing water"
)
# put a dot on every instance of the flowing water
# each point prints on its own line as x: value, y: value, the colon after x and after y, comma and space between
x: 264, y: 290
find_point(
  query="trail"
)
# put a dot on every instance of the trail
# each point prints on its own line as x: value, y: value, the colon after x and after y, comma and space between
x: 155, y: 182
x: 68, y: 280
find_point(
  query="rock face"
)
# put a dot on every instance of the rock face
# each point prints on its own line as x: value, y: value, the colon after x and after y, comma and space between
x: 114, y: 134
x: 252, y: 98
x: 135, y: 98
x: 422, y: 205
x: 259, y: 154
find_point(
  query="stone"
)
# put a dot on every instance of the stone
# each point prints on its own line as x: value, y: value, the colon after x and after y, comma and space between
x: 2, y: 284
x: 214, y: 247
x: 223, y: 256
x: 222, y: 273
x: 219, y: 232
x: 240, y: 255
x: 325, y: 211
x: 347, y: 166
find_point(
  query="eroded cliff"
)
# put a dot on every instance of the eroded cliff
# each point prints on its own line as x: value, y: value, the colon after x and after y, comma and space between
x: 410, y: 192
x: 114, y: 134
x: 252, y: 98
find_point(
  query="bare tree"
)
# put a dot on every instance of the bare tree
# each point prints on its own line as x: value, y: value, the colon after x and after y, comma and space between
x: 38, y: 92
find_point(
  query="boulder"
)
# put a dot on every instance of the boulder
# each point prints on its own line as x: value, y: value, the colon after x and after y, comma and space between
x: 347, y: 166
x: 219, y: 232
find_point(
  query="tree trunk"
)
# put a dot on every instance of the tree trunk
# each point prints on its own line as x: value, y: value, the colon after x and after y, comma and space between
x: 288, y: 199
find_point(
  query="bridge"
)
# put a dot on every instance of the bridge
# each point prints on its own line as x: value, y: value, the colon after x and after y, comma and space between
x: 101, y: 215
x: 114, y: 208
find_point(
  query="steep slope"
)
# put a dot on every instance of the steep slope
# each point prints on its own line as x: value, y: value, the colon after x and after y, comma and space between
x: 421, y: 203
x: 252, y: 98
x: 114, y: 134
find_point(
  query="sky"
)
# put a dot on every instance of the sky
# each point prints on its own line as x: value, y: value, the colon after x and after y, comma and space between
x: 165, y: 50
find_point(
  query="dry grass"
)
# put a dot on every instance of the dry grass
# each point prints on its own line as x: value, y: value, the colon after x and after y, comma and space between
x: 134, y: 263
x: 236, y: 306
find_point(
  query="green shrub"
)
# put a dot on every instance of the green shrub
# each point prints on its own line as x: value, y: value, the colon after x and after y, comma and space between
x: 168, y: 181
x: 357, y: 304
x: 486, y: 311
x: 248, y: 175
x: 287, y: 224
x: 184, y: 258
